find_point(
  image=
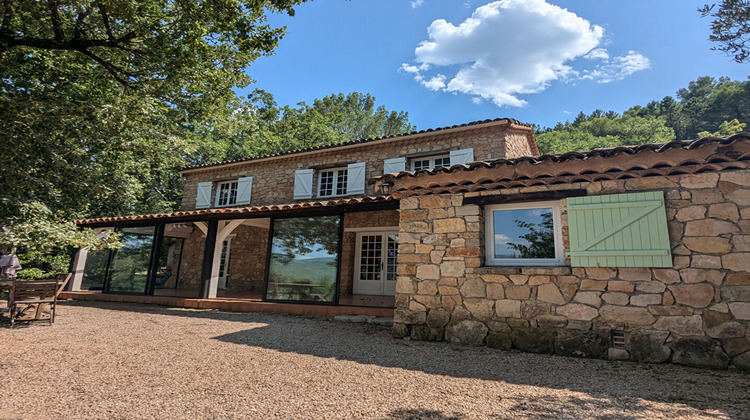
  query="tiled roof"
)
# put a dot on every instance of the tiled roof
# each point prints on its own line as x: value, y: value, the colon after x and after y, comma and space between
x: 678, y: 157
x: 230, y: 212
x: 510, y: 121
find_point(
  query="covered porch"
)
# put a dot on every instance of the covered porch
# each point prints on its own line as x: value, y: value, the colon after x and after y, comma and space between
x: 331, y: 254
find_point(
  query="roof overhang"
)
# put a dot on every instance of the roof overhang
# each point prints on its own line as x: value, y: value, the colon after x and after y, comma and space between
x: 230, y: 213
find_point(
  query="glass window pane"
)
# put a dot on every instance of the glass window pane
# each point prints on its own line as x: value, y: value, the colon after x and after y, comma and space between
x: 169, y: 263
x: 95, y: 270
x: 304, y: 253
x: 129, y: 269
x: 524, y: 233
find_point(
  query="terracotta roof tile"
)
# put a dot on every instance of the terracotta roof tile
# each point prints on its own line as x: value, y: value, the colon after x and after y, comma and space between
x: 678, y: 157
x: 231, y: 212
x: 360, y: 141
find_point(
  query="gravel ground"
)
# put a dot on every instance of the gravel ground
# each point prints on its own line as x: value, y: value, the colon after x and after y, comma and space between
x: 118, y: 361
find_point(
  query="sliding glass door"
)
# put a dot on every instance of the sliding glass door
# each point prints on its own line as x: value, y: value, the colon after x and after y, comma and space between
x: 303, y: 264
x: 129, y: 267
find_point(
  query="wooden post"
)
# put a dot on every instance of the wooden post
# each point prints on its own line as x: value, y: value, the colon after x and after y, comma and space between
x: 208, y: 260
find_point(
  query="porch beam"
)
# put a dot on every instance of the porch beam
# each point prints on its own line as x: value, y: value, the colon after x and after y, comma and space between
x: 202, y: 226
x: 227, y: 229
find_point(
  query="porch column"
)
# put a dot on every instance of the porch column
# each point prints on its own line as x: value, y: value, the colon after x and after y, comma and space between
x: 79, y: 264
x: 222, y: 232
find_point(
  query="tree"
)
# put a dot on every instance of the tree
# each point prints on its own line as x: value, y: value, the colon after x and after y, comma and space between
x: 259, y: 126
x: 101, y: 102
x: 600, y: 132
x: 727, y: 128
x: 730, y: 27
x: 337, y: 118
x: 540, y: 238
x: 146, y: 42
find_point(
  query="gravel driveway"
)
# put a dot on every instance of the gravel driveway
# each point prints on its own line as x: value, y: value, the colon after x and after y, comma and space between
x: 123, y: 361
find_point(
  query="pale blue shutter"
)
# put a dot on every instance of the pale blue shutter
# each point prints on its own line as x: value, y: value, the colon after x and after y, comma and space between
x: 619, y: 230
x: 303, y: 181
x: 461, y: 156
x: 355, y: 178
x: 203, y: 196
x: 244, y: 190
x: 394, y: 165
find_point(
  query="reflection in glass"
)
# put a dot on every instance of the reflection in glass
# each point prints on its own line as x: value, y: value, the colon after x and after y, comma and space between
x: 304, y: 254
x: 524, y: 233
x: 95, y: 270
x: 168, y: 270
x: 129, y: 269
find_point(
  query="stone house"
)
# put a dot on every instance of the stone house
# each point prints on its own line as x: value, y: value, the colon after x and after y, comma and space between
x: 646, y: 253
x: 307, y: 226
x: 466, y: 235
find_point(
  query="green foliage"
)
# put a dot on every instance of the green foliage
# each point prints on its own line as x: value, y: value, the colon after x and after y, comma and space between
x: 730, y: 27
x: 727, y: 128
x: 259, y: 126
x: 303, y: 235
x: 591, y: 133
x: 540, y: 238
x: 36, y: 230
x: 706, y: 105
x: 38, y: 266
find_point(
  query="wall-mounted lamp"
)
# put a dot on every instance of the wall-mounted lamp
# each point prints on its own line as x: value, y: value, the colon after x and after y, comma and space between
x: 385, y: 188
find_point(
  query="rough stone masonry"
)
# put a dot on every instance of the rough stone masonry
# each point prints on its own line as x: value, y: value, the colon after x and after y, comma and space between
x: 695, y: 313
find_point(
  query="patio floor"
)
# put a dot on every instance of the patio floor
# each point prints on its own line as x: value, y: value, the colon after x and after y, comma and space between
x: 108, y: 360
x: 381, y: 306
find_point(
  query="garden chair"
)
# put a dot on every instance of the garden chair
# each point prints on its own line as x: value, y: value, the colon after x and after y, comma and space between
x: 27, y: 294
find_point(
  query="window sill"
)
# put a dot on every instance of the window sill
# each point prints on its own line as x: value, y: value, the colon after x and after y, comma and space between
x: 527, y: 270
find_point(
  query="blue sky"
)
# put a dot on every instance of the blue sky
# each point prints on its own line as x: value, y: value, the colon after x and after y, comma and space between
x: 451, y: 62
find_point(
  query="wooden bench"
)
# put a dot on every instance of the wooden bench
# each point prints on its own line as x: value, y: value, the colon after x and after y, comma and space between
x: 26, y: 294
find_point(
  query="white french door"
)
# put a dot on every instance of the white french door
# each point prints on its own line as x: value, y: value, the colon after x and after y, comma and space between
x: 226, y: 248
x: 375, y: 263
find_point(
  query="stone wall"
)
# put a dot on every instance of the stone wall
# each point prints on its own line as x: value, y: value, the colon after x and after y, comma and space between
x: 384, y: 218
x: 273, y: 179
x: 247, y: 259
x: 695, y: 313
x: 192, y: 260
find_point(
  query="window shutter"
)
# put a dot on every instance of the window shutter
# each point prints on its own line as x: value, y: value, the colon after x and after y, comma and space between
x: 394, y: 165
x: 303, y: 181
x: 203, y: 198
x: 355, y: 178
x: 244, y: 190
x: 619, y: 230
x: 462, y: 156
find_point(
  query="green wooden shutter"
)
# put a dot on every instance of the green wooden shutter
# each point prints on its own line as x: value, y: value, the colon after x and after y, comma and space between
x: 619, y: 230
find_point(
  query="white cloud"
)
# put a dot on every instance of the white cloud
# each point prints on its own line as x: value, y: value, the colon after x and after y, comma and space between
x: 416, y: 3
x: 501, y: 239
x: 509, y: 48
x: 597, y: 54
x: 436, y: 83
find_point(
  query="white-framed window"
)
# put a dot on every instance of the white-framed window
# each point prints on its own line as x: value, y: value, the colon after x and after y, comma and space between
x: 522, y: 234
x: 332, y: 182
x: 226, y: 193
x: 430, y: 162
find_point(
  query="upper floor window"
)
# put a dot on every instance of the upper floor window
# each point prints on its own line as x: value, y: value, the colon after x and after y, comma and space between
x: 430, y: 162
x: 524, y: 234
x: 226, y: 193
x: 332, y: 182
